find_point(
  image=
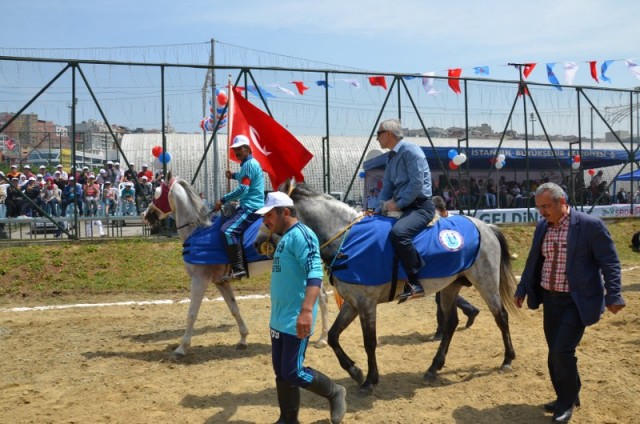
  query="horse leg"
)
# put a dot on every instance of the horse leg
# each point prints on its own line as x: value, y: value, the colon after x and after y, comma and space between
x: 227, y: 294
x: 502, y: 320
x: 450, y: 321
x: 345, y: 317
x: 368, y: 324
x: 198, y: 287
x: 324, y: 317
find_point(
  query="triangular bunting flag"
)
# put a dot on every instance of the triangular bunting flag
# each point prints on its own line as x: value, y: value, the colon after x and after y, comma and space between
x: 300, y: 86
x: 570, y: 69
x: 594, y: 71
x: 603, y: 70
x: 379, y: 81
x: 428, y: 83
x: 528, y: 68
x: 633, y: 67
x: 455, y: 83
x: 552, y: 77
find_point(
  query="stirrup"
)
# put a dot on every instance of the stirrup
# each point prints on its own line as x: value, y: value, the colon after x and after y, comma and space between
x: 415, y: 293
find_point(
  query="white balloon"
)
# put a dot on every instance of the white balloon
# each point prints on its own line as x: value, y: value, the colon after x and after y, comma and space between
x: 457, y: 160
x: 464, y: 158
x: 501, y: 158
x: 499, y: 165
x: 575, y: 165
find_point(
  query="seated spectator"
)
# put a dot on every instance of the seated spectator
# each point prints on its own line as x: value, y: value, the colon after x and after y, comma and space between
x: 127, y: 196
x: 147, y: 192
x: 91, y: 195
x: 14, y: 173
x: 72, y: 195
x: 636, y: 197
x: 32, y: 192
x: 51, y: 196
x: 622, y: 197
x: 15, y: 201
x: 109, y: 198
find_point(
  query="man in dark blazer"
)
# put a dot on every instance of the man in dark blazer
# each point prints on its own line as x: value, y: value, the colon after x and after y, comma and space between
x: 570, y: 255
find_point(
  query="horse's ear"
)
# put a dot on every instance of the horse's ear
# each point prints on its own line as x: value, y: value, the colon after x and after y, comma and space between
x: 284, y: 187
x: 169, y: 176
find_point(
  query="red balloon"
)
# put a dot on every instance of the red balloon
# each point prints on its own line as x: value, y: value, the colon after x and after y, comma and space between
x: 222, y: 98
x: 576, y: 158
x: 452, y: 165
x: 592, y: 171
x: 156, y: 151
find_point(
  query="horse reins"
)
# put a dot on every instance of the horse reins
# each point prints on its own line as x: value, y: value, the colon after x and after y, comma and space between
x: 342, y: 231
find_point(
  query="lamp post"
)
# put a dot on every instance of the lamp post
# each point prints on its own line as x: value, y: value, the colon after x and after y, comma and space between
x: 532, y: 118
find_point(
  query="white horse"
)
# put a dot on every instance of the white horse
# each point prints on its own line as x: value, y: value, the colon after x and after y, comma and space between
x: 178, y: 198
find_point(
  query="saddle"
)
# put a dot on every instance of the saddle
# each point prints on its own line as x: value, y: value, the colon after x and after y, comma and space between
x: 447, y: 246
x: 205, y: 245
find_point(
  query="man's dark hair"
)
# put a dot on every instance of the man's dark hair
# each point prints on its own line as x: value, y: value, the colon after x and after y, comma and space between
x: 292, y: 210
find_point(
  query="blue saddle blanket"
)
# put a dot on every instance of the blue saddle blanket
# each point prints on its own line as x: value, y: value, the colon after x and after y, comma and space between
x: 447, y: 248
x: 205, y: 245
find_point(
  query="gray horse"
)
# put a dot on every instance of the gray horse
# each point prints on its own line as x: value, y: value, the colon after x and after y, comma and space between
x: 491, y: 274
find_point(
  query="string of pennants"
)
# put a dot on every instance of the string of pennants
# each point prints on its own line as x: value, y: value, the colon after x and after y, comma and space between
x: 570, y: 71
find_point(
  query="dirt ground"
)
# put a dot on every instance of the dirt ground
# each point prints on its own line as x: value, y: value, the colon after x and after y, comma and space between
x: 111, y: 364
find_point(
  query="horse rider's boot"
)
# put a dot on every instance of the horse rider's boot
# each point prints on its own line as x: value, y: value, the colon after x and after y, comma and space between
x: 412, y: 290
x: 289, y: 402
x: 234, y: 253
x: 337, y: 395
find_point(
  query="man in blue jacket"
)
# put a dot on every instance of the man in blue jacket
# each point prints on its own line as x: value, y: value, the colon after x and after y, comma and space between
x: 250, y: 194
x: 570, y: 255
x: 406, y: 187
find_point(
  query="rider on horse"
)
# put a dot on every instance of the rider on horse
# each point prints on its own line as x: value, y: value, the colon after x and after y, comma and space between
x: 250, y: 193
x: 406, y: 188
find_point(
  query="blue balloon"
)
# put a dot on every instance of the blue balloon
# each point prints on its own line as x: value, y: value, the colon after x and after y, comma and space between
x: 361, y: 174
x: 452, y: 154
x: 165, y: 157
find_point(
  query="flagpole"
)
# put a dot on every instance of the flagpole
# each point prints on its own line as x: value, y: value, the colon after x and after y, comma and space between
x: 229, y: 128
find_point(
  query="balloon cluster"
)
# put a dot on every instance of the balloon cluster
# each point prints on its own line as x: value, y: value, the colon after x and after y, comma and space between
x: 208, y: 123
x: 576, y: 162
x: 160, y: 156
x: 455, y: 159
x: 500, y: 161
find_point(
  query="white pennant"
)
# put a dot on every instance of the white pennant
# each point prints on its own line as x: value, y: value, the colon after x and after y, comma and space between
x: 570, y: 69
x: 633, y: 67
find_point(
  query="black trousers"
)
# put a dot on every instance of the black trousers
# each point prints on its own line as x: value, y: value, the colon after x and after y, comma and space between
x: 563, y: 330
x: 413, y: 220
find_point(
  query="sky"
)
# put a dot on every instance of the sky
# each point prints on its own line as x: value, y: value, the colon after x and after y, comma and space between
x: 411, y: 36
x: 402, y: 36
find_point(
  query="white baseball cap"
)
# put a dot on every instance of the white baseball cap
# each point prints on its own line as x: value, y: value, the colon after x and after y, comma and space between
x: 275, y: 200
x: 239, y: 141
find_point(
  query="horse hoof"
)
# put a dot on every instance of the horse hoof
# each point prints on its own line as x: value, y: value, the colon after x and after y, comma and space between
x: 356, y: 374
x: 506, y: 368
x: 430, y: 378
x: 365, y: 391
x: 176, y: 356
x: 320, y: 344
x: 241, y: 346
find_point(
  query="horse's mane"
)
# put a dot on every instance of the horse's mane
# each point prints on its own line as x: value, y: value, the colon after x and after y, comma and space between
x: 197, y: 207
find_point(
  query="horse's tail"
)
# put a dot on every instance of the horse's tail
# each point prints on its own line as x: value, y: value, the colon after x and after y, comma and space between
x: 508, y: 280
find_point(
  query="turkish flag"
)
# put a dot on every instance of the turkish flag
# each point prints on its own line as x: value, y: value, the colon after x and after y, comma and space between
x: 379, y: 81
x: 279, y: 153
x: 528, y: 68
x: 455, y: 83
x: 10, y: 144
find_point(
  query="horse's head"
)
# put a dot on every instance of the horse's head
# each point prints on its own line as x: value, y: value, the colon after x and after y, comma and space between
x: 266, y: 241
x: 161, y: 206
